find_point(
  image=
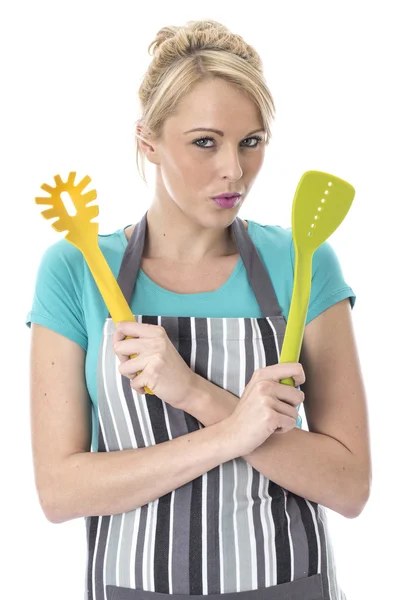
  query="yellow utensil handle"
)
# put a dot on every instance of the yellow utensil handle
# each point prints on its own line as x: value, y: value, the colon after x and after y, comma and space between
x: 146, y: 389
x: 298, y: 311
x: 109, y: 288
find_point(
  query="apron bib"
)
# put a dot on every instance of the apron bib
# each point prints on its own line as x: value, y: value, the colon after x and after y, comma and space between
x: 231, y: 531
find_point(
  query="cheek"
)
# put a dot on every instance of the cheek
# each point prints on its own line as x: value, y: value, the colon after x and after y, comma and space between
x: 255, y: 163
x: 176, y: 163
x: 171, y: 170
x: 197, y: 171
x: 186, y: 171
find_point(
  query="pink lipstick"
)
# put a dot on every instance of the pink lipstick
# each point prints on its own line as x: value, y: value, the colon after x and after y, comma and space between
x: 227, y: 200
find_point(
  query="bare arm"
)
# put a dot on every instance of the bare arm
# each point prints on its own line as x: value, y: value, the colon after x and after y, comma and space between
x: 331, y: 463
x: 72, y: 481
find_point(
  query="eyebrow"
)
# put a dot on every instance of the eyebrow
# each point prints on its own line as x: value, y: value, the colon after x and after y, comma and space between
x: 221, y: 133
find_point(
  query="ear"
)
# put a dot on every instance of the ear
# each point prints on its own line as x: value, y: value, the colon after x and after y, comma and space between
x: 147, y: 145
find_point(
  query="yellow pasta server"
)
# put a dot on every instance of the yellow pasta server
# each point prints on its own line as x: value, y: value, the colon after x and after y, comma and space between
x: 83, y: 234
x: 320, y: 204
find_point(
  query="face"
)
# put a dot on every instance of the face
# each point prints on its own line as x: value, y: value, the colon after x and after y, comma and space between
x: 192, y: 167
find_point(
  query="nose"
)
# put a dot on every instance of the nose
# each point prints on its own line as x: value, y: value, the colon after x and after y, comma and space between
x: 230, y: 166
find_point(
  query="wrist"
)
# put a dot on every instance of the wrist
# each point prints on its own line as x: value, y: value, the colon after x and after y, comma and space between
x: 228, y: 439
x: 196, y: 395
x: 214, y: 406
x: 207, y: 402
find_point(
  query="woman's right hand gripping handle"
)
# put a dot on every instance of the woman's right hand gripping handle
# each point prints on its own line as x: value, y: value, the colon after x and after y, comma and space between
x: 266, y: 406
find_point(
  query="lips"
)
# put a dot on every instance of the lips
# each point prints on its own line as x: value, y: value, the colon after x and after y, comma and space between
x: 226, y: 196
x: 227, y: 202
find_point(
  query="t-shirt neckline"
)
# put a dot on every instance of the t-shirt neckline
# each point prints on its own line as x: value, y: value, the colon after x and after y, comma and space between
x: 155, y: 288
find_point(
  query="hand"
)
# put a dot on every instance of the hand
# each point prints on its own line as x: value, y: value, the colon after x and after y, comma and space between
x: 164, y: 371
x: 266, y: 407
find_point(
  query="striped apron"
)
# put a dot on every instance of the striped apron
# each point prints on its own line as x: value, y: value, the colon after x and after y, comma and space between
x: 231, y: 531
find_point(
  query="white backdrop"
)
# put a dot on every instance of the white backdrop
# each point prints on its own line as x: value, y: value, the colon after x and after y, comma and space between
x: 69, y: 75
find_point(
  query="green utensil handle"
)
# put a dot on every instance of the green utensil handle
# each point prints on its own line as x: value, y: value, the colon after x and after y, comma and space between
x: 298, y: 311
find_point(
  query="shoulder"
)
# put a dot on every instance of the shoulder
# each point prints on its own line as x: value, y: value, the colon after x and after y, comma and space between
x: 61, y: 259
x: 62, y: 264
x: 63, y: 252
x: 64, y: 287
x: 116, y: 240
x: 276, y: 249
x: 280, y: 239
x: 272, y: 241
x: 113, y: 246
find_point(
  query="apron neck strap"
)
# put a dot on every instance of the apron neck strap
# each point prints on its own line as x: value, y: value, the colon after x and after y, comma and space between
x: 257, y: 272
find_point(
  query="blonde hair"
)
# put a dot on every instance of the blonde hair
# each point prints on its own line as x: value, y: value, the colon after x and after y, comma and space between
x: 183, y: 56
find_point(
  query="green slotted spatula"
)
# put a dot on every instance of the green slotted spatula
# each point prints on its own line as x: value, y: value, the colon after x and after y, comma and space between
x: 320, y: 204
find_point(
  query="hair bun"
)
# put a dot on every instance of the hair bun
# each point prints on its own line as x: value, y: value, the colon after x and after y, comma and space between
x: 194, y: 35
x: 164, y: 34
x: 206, y: 26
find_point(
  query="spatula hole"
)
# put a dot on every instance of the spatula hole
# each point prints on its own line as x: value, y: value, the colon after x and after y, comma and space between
x: 326, y: 192
x: 316, y: 217
x: 330, y: 183
x: 69, y: 205
x: 322, y: 200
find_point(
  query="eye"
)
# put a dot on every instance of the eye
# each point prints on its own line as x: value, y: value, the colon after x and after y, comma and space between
x: 204, y: 139
x: 257, y: 138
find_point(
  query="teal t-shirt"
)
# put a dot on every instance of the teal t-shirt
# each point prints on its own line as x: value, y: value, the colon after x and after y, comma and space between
x: 66, y: 298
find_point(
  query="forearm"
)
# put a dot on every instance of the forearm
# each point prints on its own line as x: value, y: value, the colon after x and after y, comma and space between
x: 107, y: 483
x: 314, y: 466
x: 311, y: 465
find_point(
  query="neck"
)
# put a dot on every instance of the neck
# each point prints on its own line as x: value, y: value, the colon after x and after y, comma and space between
x: 175, y: 236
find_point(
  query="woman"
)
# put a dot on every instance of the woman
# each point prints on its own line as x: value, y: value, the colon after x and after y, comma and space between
x: 206, y: 487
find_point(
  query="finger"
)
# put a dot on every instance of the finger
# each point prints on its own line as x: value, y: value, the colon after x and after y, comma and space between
x: 132, y: 366
x: 134, y: 329
x: 289, y: 394
x: 118, y: 336
x: 282, y: 371
x: 130, y: 346
x: 285, y: 424
x: 288, y: 410
x: 294, y: 370
x: 117, y: 339
x: 285, y: 393
x: 138, y: 385
x: 141, y: 381
x: 121, y: 356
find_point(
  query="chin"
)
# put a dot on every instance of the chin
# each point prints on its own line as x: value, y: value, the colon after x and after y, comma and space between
x: 218, y: 221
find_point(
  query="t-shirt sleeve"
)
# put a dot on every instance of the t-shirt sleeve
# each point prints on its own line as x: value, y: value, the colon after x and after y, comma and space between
x: 57, y: 298
x: 328, y: 285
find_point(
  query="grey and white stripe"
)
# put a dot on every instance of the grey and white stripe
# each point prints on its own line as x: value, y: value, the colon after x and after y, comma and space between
x: 230, y: 509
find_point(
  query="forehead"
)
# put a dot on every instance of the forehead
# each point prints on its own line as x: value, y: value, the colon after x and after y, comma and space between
x: 216, y: 103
